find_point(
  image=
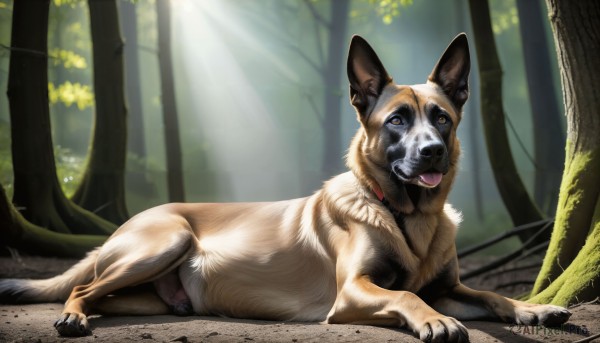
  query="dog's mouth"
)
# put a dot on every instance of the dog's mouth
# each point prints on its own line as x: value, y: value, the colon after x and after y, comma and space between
x: 428, y: 179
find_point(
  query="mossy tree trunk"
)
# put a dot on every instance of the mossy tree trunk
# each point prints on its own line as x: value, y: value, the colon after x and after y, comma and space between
x: 24, y: 236
x: 519, y: 205
x: 102, y: 189
x: 570, y: 272
x: 37, y: 193
x: 175, y: 180
x: 548, y: 136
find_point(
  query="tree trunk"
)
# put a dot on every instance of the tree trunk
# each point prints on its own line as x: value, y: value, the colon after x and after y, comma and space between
x: 332, y: 128
x: 570, y: 270
x: 20, y: 234
x: 136, y: 139
x: 520, y: 207
x: 36, y: 189
x: 472, y: 118
x: 170, y: 116
x: 102, y: 189
x: 548, y: 135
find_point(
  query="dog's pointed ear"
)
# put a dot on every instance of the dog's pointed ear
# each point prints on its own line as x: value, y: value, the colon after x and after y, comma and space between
x: 452, y: 71
x: 366, y: 74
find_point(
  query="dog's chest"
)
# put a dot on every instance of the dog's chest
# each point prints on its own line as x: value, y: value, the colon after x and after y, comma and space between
x: 417, y: 263
x: 388, y: 272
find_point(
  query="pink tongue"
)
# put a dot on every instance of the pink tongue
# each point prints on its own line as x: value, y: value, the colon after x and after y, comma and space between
x: 432, y: 179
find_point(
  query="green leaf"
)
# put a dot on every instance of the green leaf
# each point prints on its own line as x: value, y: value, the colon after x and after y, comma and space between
x: 68, y: 59
x: 389, y: 9
x: 71, y: 93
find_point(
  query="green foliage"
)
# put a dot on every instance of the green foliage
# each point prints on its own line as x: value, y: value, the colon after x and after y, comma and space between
x: 69, y: 93
x: 389, y: 9
x: 504, y: 15
x: 70, y: 3
x: 80, y: 36
x: 68, y: 59
x: 386, y: 9
x: 69, y: 169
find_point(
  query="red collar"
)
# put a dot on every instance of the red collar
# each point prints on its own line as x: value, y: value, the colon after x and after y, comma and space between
x: 378, y: 192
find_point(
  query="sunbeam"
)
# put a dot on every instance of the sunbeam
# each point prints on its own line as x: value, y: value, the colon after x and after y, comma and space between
x: 228, y: 108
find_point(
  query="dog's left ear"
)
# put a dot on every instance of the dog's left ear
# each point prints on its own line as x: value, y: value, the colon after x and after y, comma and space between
x: 452, y: 71
x: 366, y: 74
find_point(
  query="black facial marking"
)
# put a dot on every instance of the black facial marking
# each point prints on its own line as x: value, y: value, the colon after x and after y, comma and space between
x: 433, y: 113
x: 392, y: 134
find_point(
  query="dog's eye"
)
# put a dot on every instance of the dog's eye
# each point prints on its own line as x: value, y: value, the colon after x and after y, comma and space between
x: 442, y: 119
x: 396, y: 121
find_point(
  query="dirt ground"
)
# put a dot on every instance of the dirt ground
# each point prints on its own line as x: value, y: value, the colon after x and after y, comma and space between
x: 33, y: 323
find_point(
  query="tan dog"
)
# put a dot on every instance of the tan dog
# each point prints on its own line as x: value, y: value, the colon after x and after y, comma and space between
x: 374, y: 246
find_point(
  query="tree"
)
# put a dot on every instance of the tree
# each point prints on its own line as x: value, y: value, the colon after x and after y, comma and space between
x: 102, y: 189
x: 547, y: 132
x: 136, y: 178
x: 570, y: 270
x: 326, y: 64
x: 170, y: 117
x: 128, y: 16
x: 37, y: 193
x: 20, y: 234
x: 332, y: 73
x: 520, y: 207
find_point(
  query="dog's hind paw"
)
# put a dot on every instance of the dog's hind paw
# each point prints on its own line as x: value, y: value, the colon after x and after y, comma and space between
x: 182, y: 309
x: 547, y: 315
x: 72, y: 325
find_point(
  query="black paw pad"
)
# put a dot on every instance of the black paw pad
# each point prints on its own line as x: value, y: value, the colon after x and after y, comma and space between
x: 67, y: 326
x: 557, y: 318
x: 182, y: 309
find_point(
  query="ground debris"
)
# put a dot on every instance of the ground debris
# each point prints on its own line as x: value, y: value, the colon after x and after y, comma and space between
x: 182, y: 339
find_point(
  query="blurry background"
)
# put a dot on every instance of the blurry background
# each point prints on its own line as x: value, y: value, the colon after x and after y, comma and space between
x: 262, y: 95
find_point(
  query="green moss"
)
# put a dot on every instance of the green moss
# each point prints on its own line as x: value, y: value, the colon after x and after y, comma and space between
x: 579, y: 282
x: 578, y: 196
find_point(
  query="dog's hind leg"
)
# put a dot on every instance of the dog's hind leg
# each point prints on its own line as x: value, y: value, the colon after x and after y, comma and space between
x: 141, y: 251
x: 140, y: 303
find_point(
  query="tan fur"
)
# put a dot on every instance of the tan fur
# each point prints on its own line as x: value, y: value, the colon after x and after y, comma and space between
x: 327, y: 257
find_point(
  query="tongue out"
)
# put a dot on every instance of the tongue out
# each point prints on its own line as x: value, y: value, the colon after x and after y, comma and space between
x: 431, y: 179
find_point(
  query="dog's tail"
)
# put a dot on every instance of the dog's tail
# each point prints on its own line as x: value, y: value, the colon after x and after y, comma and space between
x: 54, y: 289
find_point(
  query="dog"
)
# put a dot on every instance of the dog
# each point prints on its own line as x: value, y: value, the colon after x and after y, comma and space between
x: 374, y: 245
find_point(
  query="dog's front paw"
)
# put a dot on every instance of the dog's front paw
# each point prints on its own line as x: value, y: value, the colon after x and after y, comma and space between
x: 443, y: 329
x: 547, y: 315
x: 72, y: 325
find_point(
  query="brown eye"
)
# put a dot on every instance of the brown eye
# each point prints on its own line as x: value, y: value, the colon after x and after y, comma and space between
x: 396, y: 121
x: 442, y: 119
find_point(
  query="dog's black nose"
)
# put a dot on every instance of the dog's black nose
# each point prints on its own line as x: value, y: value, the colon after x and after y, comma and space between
x: 432, y: 150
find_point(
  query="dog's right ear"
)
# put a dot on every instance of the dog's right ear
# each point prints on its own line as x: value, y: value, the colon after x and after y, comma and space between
x: 366, y: 74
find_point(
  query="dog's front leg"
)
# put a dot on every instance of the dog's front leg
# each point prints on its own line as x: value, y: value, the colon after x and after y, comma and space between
x: 468, y: 304
x: 361, y: 302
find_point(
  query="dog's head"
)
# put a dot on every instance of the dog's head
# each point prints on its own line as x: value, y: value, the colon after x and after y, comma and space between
x: 409, y: 131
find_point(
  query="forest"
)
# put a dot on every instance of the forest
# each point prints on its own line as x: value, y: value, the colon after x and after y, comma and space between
x: 111, y: 107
